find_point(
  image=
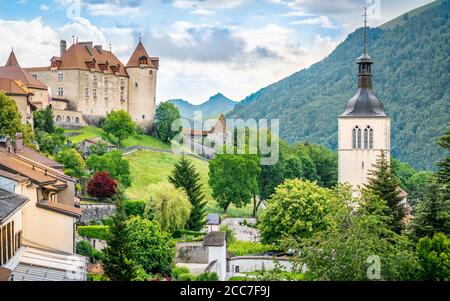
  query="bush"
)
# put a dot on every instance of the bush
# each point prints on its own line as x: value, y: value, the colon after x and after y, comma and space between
x: 229, y: 233
x: 241, y: 278
x: 95, y: 277
x: 85, y: 249
x: 241, y: 248
x: 99, y: 232
x: 134, y: 208
x: 207, y: 277
x: 434, y: 256
x: 74, y: 164
x: 182, y: 274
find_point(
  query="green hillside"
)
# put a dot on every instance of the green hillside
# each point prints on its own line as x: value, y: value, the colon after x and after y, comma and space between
x: 411, y: 77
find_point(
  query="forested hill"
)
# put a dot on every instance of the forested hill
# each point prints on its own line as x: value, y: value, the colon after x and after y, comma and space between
x: 411, y: 77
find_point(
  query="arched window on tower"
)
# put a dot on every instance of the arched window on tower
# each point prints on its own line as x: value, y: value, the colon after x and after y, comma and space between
x: 354, y: 138
x: 366, y: 138
x: 371, y: 138
x: 359, y: 138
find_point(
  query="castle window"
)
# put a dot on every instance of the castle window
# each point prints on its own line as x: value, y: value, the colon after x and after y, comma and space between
x: 94, y: 80
x: 143, y: 116
x: 86, y: 92
x: 60, y: 77
x: 143, y: 60
x: 67, y: 119
x: 105, y: 86
x: 354, y: 138
x: 60, y: 91
x: 58, y: 119
x: 77, y: 120
x: 94, y: 93
x: 366, y: 138
x: 136, y: 84
x: 34, y: 75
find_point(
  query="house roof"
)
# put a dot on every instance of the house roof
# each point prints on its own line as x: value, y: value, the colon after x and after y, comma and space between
x: 60, y: 208
x: 10, y: 203
x: 12, y: 176
x: 139, y: 52
x: 16, y: 87
x: 213, y: 219
x: 38, y: 157
x: 214, y: 239
x: 13, y: 70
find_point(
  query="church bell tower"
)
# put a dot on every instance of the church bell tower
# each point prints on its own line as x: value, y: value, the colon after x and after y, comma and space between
x: 364, y: 127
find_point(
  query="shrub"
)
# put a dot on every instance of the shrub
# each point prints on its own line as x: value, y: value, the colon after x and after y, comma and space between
x: 95, y: 277
x: 241, y: 248
x: 241, y: 278
x: 229, y: 233
x: 85, y: 249
x: 434, y: 256
x: 74, y: 164
x: 99, y: 232
x: 207, y: 277
x: 102, y: 186
x: 133, y: 207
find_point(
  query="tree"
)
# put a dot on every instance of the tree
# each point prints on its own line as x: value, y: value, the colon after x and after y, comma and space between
x: 234, y: 179
x: 166, y: 114
x: 102, y: 186
x: 169, y: 206
x: 50, y: 143
x: 432, y: 213
x: 119, y: 124
x: 383, y: 183
x: 297, y: 208
x: 10, y: 118
x: 356, y: 245
x: 74, y: 164
x: 113, y: 163
x: 43, y: 120
x: 434, y: 256
x: 443, y: 174
x: 185, y: 176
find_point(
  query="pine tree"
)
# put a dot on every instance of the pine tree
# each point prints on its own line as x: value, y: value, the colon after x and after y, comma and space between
x: 185, y: 176
x: 443, y: 174
x: 383, y: 183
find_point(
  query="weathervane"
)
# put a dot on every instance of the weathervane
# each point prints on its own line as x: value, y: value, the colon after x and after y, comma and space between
x: 140, y: 37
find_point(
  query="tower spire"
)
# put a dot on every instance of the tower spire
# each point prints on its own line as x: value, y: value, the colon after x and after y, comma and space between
x: 140, y: 37
x: 365, y: 30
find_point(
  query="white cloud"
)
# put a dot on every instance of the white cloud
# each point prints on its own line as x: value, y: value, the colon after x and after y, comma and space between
x: 44, y: 7
x: 202, y: 12
x: 206, y: 4
x: 322, y: 21
x: 111, y: 9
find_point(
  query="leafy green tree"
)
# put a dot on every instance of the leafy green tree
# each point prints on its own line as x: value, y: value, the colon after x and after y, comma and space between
x: 119, y: 124
x: 113, y: 163
x: 10, y: 118
x: 383, y: 183
x: 74, y: 164
x: 432, y: 213
x: 325, y: 163
x: 166, y: 114
x: 234, y: 179
x: 351, y: 249
x: 43, y: 120
x: 434, y: 256
x: 50, y: 143
x: 185, y: 176
x: 297, y: 208
x: 169, y: 206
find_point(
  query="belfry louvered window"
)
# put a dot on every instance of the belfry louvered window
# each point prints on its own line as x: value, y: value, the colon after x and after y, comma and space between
x: 359, y: 138
x: 354, y: 138
x: 371, y: 138
x: 366, y: 138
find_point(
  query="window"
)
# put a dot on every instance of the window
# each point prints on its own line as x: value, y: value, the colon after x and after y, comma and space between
x: 94, y: 93
x: 359, y: 138
x: 143, y: 116
x: 366, y: 138
x: 8, y: 243
x: 356, y: 138
x: 236, y: 269
x: 122, y: 89
x: 94, y: 81
x: 77, y: 120
x: 58, y: 119
x: 86, y: 92
x: 371, y: 138
x: 60, y: 77
x: 105, y: 87
x: 34, y: 75
x: 67, y: 119
x: 60, y: 91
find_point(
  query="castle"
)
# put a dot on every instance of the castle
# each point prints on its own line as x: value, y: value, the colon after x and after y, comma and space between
x: 86, y: 82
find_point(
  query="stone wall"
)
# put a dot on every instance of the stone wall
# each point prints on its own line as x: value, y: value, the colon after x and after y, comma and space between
x: 96, y: 212
x: 192, y: 252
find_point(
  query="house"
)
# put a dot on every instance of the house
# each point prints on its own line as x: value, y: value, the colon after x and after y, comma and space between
x: 37, y: 217
x: 213, y: 222
x: 85, y: 146
x: 21, y: 95
x: 92, y: 82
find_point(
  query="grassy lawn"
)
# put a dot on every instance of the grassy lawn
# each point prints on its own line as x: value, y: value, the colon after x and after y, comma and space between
x: 89, y: 132
x: 149, y: 167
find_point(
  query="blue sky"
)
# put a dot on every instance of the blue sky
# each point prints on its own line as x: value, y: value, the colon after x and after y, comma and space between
x: 234, y: 47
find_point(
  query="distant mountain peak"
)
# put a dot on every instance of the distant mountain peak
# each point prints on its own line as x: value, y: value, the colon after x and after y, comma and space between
x: 213, y: 107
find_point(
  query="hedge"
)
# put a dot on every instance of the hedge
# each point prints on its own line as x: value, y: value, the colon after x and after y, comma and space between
x: 241, y: 248
x: 99, y: 232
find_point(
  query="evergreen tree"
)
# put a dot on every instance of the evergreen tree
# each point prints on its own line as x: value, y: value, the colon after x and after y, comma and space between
x: 185, y: 176
x: 443, y: 173
x: 432, y: 214
x: 384, y: 184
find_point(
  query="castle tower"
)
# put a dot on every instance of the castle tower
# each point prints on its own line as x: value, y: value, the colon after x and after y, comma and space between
x: 364, y: 127
x: 142, y: 70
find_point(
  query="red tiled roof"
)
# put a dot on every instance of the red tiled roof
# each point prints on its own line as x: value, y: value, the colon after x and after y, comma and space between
x: 15, y: 87
x: 140, y: 51
x: 60, y: 208
x: 13, y: 70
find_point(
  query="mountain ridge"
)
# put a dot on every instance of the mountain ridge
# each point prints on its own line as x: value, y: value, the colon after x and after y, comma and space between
x: 213, y: 107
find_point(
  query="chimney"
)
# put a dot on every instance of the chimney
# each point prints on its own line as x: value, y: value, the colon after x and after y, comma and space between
x: 18, y: 147
x: 62, y: 47
x: 5, y: 142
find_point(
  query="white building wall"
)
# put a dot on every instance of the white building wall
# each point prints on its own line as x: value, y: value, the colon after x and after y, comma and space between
x: 241, y: 264
x: 219, y: 254
x: 354, y: 164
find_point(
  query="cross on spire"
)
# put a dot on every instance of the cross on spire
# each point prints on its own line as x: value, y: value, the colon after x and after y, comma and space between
x: 365, y: 29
